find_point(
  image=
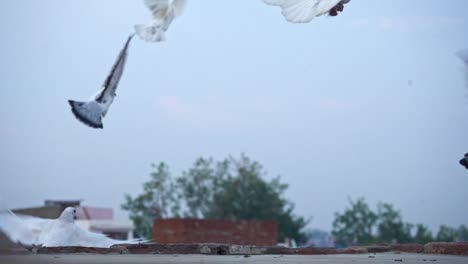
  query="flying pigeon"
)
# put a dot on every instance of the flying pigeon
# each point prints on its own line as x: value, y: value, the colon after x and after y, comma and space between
x: 303, y: 11
x: 60, y: 232
x: 164, y: 12
x: 464, y: 161
x: 92, y: 111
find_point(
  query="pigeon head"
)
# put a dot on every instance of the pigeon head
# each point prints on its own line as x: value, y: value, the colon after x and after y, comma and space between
x: 68, y: 215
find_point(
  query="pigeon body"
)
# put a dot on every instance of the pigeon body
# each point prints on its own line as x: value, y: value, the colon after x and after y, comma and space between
x: 303, y: 11
x: 163, y: 13
x: 60, y: 232
x: 91, y: 112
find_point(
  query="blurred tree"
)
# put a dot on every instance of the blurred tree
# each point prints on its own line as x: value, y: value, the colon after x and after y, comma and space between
x: 355, y: 225
x: 462, y: 234
x: 234, y: 189
x: 229, y: 189
x: 158, y: 200
x: 390, y: 226
x: 199, y: 185
x: 423, y: 234
x: 447, y: 234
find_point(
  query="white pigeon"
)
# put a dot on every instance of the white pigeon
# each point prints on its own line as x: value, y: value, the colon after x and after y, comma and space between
x: 163, y: 13
x: 303, y: 11
x: 60, y: 232
x: 92, y: 111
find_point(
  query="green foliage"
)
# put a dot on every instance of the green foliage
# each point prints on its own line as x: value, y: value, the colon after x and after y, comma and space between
x: 423, y: 234
x: 229, y: 189
x: 355, y: 225
x: 447, y: 234
x: 157, y: 201
x: 462, y: 234
x: 390, y: 226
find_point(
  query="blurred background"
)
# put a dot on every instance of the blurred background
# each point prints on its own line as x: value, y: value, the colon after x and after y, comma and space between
x: 363, y: 114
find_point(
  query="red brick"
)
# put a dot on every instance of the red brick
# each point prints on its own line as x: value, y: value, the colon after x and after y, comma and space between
x: 187, y: 231
x: 408, y: 248
x: 446, y: 248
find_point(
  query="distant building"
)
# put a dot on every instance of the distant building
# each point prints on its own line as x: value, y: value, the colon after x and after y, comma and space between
x: 95, y: 219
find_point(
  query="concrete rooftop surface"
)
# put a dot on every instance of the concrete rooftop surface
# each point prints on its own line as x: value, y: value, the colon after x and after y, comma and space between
x: 353, y: 258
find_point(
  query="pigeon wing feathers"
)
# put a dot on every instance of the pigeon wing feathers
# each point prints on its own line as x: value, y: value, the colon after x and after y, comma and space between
x: 303, y: 11
x: 158, y: 8
x: 275, y: 2
x: 112, y: 80
x: 178, y: 6
x: 77, y: 236
x: 26, y: 230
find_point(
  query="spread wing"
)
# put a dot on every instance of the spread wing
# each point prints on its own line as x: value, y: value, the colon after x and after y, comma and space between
x: 178, y: 6
x: 26, y: 230
x: 275, y: 2
x: 70, y: 234
x: 303, y: 11
x: 158, y: 8
x: 112, y: 80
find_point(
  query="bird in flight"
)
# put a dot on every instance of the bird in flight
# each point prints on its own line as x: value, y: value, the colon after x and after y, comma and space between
x: 303, y: 11
x: 92, y: 111
x: 163, y: 13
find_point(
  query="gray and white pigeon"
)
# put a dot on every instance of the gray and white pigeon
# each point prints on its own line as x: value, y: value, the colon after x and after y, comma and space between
x: 60, y: 232
x: 92, y: 111
x: 303, y: 11
x: 163, y: 13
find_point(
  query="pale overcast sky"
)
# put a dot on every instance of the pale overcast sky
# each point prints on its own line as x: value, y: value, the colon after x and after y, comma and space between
x: 370, y: 103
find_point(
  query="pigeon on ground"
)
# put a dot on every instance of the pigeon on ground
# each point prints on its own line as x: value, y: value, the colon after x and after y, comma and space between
x: 163, y: 12
x: 303, y: 11
x: 92, y: 111
x: 464, y: 161
x: 60, y: 232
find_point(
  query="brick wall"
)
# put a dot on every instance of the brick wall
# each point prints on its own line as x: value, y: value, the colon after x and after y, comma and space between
x: 260, y: 233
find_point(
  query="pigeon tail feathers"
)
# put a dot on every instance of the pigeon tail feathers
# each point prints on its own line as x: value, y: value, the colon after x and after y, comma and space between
x: 150, y: 33
x: 89, y: 113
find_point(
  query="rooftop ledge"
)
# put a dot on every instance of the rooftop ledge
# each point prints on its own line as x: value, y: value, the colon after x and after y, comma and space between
x: 460, y: 249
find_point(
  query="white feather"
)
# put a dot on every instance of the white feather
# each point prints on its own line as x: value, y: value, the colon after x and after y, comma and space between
x: 303, y: 11
x: 163, y: 13
x: 60, y: 232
